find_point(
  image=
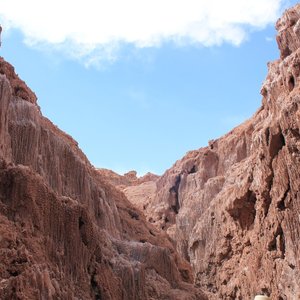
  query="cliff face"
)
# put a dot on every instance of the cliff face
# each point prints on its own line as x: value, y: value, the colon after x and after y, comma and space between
x: 141, y: 191
x: 65, y: 232
x: 233, y: 207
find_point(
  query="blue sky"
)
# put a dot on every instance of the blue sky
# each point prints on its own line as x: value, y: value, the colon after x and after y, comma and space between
x: 142, y: 103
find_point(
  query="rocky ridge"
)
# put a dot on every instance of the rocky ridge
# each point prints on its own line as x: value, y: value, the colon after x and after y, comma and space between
x: 140, y: 190
x: 233, y: 207
x: 65, y: 232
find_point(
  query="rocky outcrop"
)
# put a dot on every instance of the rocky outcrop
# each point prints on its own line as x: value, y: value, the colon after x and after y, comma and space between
x: 233, y: 207
x: 18, y: 86
x: 140, y: 191
x: 66, y: 233
x: 128, y: 179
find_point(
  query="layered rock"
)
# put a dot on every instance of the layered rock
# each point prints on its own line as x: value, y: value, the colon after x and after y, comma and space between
x: 233, y: 207
x: 65, y: 232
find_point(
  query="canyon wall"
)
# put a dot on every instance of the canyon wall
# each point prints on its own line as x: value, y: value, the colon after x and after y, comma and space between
x: 224, y: 217
x: 66, y: 233
x: 233, y: 207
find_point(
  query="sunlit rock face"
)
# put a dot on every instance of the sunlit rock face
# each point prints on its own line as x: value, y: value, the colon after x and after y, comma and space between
x: 66, y: 233
x: 233, y: 207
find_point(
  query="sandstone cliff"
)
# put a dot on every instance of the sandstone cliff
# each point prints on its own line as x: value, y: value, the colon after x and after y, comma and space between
x: 65, y: 232
x: 233, y: 207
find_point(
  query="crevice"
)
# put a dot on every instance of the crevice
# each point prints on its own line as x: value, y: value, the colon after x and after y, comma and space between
x: 281, y: 243
x: 174, y: 201
x: 291, y: 83
x: 14, y: 273
x: 277, y: 141
x: 80, y: 223
x: 195, y: 246
x: 95, y: 288
x: 266, y: 292
x: 152, y: 233
x: 134, y: 215
x: 278, y: 242
x: 266, y: 197
x: 281, y: 204
x: 243, y: 210
x: 295, y: 132
x: 268, y: 136
x: 193, y: 170
x: 272, y: 245
x: 82, y: 230
x: 292, y: 266
x: 185, y: 275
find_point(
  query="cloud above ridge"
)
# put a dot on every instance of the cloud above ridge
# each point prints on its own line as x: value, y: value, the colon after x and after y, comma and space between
x: 94, y: 29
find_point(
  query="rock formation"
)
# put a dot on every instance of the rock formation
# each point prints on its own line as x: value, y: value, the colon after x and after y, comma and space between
x: 230, y: 209
x: 141, y: 191
x: 233, y: 207
x: 66, y: 233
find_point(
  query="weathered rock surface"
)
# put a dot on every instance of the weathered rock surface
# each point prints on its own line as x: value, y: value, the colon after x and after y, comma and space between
x: 233, y: 207
x: 65, y: 232
x: 140, y: 191
x: 128, y: 179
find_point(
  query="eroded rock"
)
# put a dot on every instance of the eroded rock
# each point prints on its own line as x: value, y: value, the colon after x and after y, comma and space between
x: 233, y: 207
x: 66, y: 233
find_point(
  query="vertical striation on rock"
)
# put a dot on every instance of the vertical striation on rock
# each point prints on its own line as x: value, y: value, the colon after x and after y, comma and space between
x: 230, y: 209
x: 66, y: 233
x: 233, y: 207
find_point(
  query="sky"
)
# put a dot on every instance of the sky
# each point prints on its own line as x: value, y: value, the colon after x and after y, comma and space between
x: 139, y: 83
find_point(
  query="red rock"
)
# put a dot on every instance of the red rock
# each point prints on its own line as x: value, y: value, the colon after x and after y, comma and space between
x: 233, y: 207
x: 141, y: 191
x: 18, y: 86
x: 66, y: 233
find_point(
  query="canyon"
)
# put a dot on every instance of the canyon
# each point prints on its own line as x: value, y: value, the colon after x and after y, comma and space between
x: 65, y: 232
x: 222, y: 223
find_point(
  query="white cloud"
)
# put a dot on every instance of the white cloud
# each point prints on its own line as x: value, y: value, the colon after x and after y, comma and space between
x: 94, y: 29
